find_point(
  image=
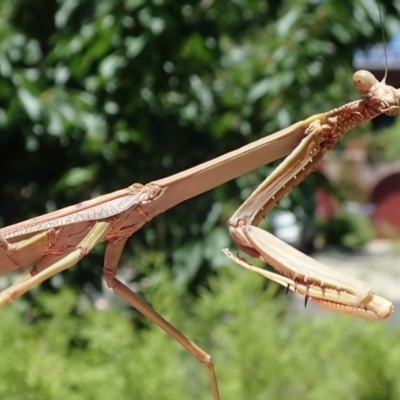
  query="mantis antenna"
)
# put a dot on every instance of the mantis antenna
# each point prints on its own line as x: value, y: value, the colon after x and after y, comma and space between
x: 384, y: 43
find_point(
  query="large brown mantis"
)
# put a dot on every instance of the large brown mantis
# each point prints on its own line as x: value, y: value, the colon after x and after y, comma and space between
x: 58, y: 240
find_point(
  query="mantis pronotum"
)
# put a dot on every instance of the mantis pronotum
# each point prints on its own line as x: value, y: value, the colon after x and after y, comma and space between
x: 58, y: 240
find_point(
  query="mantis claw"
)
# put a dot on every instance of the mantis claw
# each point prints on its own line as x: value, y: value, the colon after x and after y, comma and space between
x: 326, y: 287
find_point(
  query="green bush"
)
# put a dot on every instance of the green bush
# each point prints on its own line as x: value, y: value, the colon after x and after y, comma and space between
x: 261, y: 350
x: 347, y: 230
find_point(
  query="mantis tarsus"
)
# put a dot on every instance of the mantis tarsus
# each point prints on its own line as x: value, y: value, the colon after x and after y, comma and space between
x: 58, y: 240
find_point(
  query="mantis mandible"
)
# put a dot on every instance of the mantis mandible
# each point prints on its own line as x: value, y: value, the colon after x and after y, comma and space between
x: 58, y: 240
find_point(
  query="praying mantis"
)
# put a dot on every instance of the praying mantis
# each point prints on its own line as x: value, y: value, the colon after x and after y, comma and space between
x: 58, y: 240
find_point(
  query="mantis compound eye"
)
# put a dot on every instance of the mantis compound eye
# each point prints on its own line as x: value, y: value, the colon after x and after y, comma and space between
x: 363, y: 81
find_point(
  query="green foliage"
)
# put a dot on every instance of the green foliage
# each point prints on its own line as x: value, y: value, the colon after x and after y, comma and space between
x: 385, y: 144
x: 348, y: 230
x: 260, y: 351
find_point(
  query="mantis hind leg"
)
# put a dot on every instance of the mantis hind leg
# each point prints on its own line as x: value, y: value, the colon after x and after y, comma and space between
x: 112, y: 256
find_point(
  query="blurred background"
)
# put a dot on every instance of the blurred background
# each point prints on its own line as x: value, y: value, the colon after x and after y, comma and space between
x: 97, y: 95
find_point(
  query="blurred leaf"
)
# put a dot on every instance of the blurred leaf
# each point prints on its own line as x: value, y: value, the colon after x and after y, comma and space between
x: 78, y: 176
x: 30, y: 103
x: 110, y: 64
